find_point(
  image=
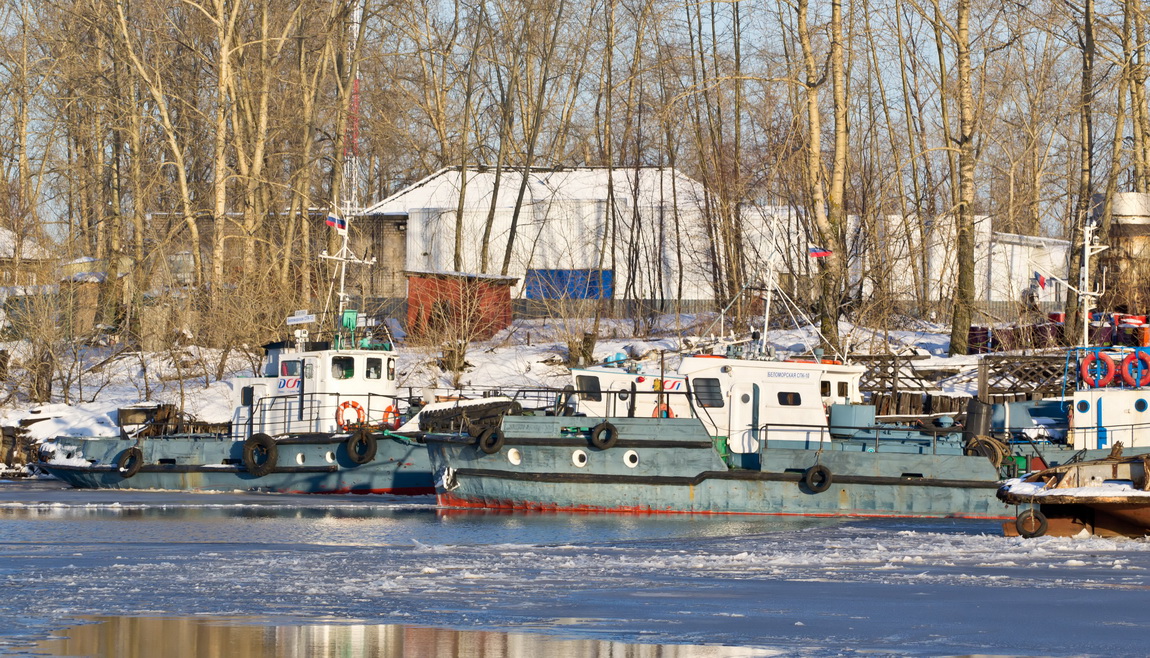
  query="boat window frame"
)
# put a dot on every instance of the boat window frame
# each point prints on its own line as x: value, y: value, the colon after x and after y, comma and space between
x: 789, y: 398
x: 286, y: 369
x: 708, y: 392
x: 586, y: 391
x: 343, y: 373
x: 373, y: 373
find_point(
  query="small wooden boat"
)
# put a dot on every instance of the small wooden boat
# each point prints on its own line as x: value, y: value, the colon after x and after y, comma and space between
x: 1107, y: 497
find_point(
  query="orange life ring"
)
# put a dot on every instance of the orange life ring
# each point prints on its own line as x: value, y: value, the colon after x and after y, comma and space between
x: 1129, y: 368
x: 391, y: 418
x: 350, y: 404
x: 1088, y: 365
x: 662, y: 411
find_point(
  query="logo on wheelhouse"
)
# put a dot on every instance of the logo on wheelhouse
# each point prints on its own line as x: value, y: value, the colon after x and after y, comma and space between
x: 288, y: 383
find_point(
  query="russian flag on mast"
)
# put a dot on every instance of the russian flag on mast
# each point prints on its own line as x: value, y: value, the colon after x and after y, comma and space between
x: 819, y: 252
x: 338, y: 223
x: 1040, y: 280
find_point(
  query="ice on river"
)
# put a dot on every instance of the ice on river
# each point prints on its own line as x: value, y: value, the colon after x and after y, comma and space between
x: 805, y: 587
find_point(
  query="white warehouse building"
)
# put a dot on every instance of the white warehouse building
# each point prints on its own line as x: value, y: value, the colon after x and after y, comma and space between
x: 659, y: 248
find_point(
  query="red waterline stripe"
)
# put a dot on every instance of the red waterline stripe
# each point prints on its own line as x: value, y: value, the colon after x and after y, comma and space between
x: 448, y: 500
x: 399, y: 491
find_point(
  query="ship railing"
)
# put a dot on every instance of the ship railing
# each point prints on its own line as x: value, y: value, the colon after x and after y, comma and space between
x: 632, y: 403
x: 318, y: 411
x: 917, y: 432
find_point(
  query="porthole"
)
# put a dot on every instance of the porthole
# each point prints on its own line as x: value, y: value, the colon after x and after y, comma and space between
x: 1083, y: 406
x: 330, y: 457
x: 631, y: 458
x: 623, y: 395
x: 745, y: 398
x: 579, y: 458
x: 514, y: 456
x: 299, y: 459
x: 1140, y: 405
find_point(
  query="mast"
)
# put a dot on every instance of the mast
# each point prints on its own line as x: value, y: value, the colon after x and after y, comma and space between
x: 348, y: 203
x: 1087, y: 294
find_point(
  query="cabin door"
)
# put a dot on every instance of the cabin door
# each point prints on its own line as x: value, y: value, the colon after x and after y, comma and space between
x: 744, y: 426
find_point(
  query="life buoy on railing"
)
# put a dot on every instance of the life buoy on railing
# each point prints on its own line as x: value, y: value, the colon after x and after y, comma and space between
x: 391, y: 418
x: 1130, y: 366
x: 350, y: 404
x: 662, y: 411
x: 1090, y: 363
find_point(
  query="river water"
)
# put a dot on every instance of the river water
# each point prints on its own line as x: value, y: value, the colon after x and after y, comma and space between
x: 101, y: 572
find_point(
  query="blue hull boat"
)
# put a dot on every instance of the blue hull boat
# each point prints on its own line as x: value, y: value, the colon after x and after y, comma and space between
x: 200, y: 462
x: 319, y: 418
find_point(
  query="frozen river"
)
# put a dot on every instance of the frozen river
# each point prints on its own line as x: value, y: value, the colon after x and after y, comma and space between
x: 383, y: 567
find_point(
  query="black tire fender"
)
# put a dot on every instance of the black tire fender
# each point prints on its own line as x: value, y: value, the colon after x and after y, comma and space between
x: 1026, y: 520
x: 988, y: 447
x: 129, y: 462
x: 604, y: 435
x: 361, y: 446
x: 255, y: 446
x: 818, y: 478
x: 490, y: 440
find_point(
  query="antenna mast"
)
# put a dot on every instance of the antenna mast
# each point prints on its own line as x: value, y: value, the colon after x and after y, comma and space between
x: 348, y: 203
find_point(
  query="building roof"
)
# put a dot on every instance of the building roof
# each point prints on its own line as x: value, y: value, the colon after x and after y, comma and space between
x: 29, y: 249
x: 649, y: 185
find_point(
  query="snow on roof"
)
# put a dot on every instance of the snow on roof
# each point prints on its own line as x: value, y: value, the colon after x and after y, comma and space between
x: 462, y: 275
x: 29, y: 249
x: 650, y: 185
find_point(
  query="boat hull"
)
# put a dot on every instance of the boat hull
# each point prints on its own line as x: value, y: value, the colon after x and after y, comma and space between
x: 672, y: 466
x: 213, y: 463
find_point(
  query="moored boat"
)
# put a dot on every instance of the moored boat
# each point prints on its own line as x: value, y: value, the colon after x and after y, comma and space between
x: 751, y: 434
x: 320, y: 418
x: 1103, y: 497
x: 724, y: 435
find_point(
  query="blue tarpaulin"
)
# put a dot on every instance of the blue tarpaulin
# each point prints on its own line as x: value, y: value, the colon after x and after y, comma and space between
x: 569, y: 284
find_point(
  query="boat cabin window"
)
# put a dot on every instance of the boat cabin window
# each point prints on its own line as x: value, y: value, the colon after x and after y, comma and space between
x: 588, y: 386
x: 308, y: 370
x: 844, y: 390
x: 342, y: 367
x: 708, y: 392
x: 289, y: 368
x: 825, y: 388
x: 787, y: 399
x: 391, y: 370
x: 374, y: 368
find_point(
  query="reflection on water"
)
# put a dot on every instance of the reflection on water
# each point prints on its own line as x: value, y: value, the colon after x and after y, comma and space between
x: 245, y: 637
